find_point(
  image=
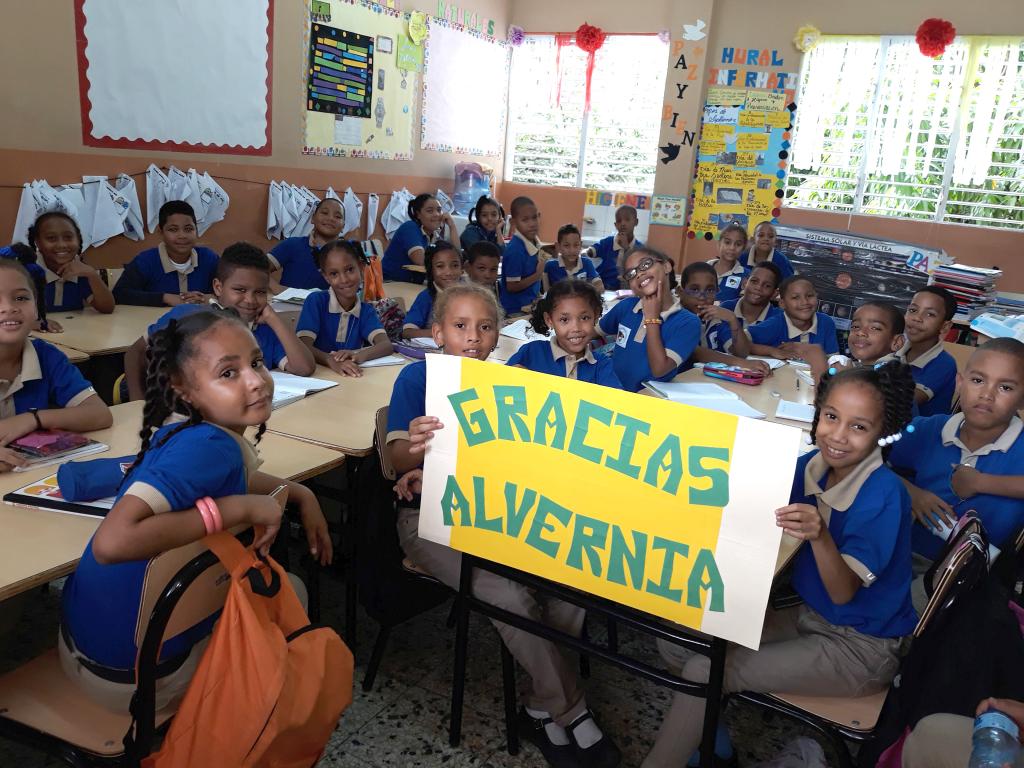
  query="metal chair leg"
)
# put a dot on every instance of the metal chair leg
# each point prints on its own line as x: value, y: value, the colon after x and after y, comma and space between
x: 376, y: 657
x: 461, y: 643
x: 508, y: 684
x: 613, y: 635
x: 713, y: 704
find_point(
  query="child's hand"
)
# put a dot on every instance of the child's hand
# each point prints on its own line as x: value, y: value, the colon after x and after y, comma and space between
x: 541, y: 263
x: 421, y: 432
x: 929, y: 510
x: 344, y: 362
x: 172, y: 299
x: 713, y: 312
x: 1012, y: 709
x: 16, y: 426
x: 966, y: 481
x: 193, y: 297
x: 802, y: 521
x: 268, y: 317
x: 798, y: 349
x: 652, y: 304
x: 315, y: 525
x: 409, y: 484
x: 75, y: 269
x: 265, y: 511
x: 52, y: 326
x: 758, y: 365
x: 9, y: 459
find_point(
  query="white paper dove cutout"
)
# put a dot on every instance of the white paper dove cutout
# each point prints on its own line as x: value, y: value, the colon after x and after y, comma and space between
x: 694, y: 31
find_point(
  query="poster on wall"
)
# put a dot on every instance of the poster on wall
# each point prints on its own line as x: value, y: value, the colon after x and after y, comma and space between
x: 136, y: 58
x: 599, y: 207
x: 741, y: 160
x: 360, y: 90
x: 451, y: 122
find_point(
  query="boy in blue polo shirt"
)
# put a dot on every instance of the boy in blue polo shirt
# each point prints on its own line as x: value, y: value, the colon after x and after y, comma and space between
x: 755, y: 304
x: 522, y: 264
x: 762, y: 249
x: 721, y: 330
x: 970, y: 460
x: 785, y: 336
x: 610, y: 253
x: 929, y: 318
x: 293, y: 260
x: 568, y: 263
x: 340, y: 330
x: 242, y: 284
x: 176, y: 271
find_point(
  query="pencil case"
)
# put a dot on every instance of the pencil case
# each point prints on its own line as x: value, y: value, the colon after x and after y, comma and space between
x: 92, y: 480
x: 733, y: 373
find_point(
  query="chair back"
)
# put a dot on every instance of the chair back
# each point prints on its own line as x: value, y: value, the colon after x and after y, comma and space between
x: 962, y: 567
x: 380, y: 440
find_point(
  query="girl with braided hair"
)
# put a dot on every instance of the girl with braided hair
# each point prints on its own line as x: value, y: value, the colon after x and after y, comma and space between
x: 195, y: 474
x: 853, y: 573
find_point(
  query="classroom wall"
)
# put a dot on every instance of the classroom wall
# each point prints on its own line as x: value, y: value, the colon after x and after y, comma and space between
x: 41, y: 134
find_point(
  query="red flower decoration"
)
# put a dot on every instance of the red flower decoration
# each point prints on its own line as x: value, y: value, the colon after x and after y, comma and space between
x: 589, y: 38
x: 934, y: 35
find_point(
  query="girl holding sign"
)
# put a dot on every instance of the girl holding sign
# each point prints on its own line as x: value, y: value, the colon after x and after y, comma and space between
x: 853, y: 574
x: 555, y: 716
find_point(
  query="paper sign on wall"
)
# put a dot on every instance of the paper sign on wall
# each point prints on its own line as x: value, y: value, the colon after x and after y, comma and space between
x: 766, y: 101
x: 624, y: 496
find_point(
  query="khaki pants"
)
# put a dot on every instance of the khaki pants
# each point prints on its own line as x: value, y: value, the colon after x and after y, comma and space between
x: 554, y: 686
x: 800, y: 653
x: 919, y: 565
x: 939, y: 741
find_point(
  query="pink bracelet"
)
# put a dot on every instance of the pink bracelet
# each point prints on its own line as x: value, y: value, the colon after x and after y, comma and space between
x: 210, y: 513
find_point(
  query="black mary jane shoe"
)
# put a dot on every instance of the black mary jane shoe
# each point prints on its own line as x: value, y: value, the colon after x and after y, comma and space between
x: 601, y: 754
x: 557, y: 755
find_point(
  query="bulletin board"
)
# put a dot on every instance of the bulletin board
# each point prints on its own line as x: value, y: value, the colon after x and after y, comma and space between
x: 451, y: 122
x: 135, y: 58
x: 742, y: 159
x: 360, y: 81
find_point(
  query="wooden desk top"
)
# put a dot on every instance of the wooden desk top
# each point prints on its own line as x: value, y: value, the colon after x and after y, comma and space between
x: 38, y: 546
x: 95, y: 334
x: 405, y: 291
x: 343, y: 417
x: 783, y: 381
x: 74, y: 355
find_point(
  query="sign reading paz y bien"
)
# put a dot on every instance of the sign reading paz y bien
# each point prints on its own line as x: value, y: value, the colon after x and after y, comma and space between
x: 656, y: 505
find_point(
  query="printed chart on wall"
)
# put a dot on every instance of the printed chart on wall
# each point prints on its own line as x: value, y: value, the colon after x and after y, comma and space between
x: 742, y: 159
x: 360, y: 81
x: 450, y: 121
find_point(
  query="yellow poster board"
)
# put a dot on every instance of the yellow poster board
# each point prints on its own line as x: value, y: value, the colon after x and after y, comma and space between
x: 657, y: 505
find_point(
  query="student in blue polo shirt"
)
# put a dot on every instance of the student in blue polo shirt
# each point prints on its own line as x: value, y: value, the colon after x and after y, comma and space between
x: 755, y: 304
x: 192, y: 477
x: 721, y: 330
x: 522, y: 263
x: 970, y: 460
x: 762, y: 249
x: 242, y: 285
x: 44, y: 390
x: 342, y: 331
x: 853, y: 573
x: 176, y: 271
x: 785, y: 336
x: 570, y: 310
x: 408, y: 246
x: 654, y: 335
x: 294, y: 259
x: 731, y: 243
x: 610, y: 253
x: 486, y: 224
x: 569, y: 263
x: 929, y: 318
x: 444, y: 269
x: 70, y: 283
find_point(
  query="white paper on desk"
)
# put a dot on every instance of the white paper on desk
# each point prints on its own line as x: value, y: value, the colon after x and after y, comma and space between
x: 684, y: 391
x: 288, y: 387
x: 521, y: 330
x: 732, y: 404
x: 423, y: 342
x: 293, y: 295
x: 787, y: 409
x: 386, y: 360
x: 771, y: 362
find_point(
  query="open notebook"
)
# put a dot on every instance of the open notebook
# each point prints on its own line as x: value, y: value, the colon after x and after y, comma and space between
x: 288, y: 387
x: 701, y: 395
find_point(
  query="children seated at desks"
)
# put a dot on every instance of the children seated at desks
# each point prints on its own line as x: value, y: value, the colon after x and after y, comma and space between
x: 482, y: 260
x: 334, y: 324
x: 70, y: 283
x: 43, y: 389
x: 569, y: 263
x: 570, y: 309
x: 242, y: 285
x: 730, y: 272
x: 555, y: 715
x: 762, y: 248
x: 294, y: 259
x: 654, y: 335
x: 425, y: 226
x: 522, y: 264
x: 194, y: 475
x: 929, y: 318
x: 444, y: 269
x: 786, y: 336
x: 610, y: 253
x: 755, y: 304
x: 970, y: 460
x: 853, y: 573
x: 174, y: 272
x: 486, y: 224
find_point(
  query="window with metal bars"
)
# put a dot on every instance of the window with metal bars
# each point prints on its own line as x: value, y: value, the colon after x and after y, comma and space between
x: 884, y: 130
x: 613, y: 146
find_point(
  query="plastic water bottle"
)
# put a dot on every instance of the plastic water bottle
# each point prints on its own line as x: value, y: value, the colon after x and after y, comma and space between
x: 995, y: 743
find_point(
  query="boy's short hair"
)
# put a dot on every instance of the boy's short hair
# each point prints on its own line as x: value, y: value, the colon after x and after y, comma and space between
x: 896, y: 318
x: 771, y: 267
x: 792, y: 280
x: 1005, y: 346
x: 173, y: 207
x: 241, y: 255
x: 695, y: 269
x: 947, y: 298
x: 567, y: 229
x: 482, y: 249
x: 627, y: 209
x: 518, y: 204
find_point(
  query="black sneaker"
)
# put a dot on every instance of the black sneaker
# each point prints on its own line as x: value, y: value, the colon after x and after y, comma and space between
x: 601, y: 754
x: 557, y: 755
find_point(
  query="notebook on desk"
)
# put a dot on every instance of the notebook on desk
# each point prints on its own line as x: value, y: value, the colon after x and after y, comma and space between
x: 45, y: 494
x: 288, y: 387
x: 44, y: 447
x: 700, y: 395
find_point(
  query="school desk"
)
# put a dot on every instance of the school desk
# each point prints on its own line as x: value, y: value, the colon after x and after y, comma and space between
x: 415, y: 268
x: 74, y: 355
x: 407, y: 292
x: 783, y: 384
x: 96, y: 334
x: 38, y: 546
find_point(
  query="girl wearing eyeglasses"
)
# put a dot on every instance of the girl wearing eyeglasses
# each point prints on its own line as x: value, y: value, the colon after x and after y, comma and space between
x: 654, y: 334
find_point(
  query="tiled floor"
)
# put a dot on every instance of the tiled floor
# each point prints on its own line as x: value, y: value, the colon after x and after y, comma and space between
x: 403, y: 721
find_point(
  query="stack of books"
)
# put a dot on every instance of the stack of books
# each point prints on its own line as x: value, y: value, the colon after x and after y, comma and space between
x: 973, y: 287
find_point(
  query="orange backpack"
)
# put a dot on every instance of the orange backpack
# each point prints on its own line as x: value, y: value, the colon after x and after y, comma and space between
x: 270, y: 687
